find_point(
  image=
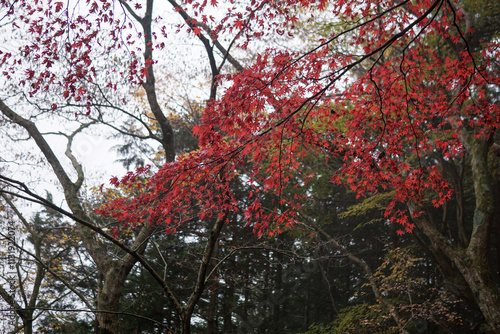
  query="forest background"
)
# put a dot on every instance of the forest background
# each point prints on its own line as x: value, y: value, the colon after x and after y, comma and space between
x: 295, y: 166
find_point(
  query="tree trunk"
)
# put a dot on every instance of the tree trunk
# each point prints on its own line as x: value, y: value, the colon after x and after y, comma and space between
x: 28, y: 325
x: 474, y: 268
x: 473, y: 261
x: 186, y: 324
x: 478, y: 276
x: 109, y: 299
x: 474, y: 264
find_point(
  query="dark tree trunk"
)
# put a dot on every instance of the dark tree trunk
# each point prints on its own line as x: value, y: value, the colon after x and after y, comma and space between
x: 212, y: 306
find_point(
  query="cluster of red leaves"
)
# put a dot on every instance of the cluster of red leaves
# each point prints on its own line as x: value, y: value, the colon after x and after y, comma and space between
x: 385, y: 125
x: 285, y: 107
x: 193, y: 186
x: 63, y: 35
x: 51, y: 32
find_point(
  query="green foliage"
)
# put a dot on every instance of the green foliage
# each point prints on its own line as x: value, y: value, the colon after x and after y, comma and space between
x: 363, y: 209
x: 362, y: 318
x: 320, y: 329
x: 375, y: 202
x: 359, y: 319
x: 398, y: 272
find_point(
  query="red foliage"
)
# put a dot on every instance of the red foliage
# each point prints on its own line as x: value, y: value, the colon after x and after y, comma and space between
x: 383, y: 124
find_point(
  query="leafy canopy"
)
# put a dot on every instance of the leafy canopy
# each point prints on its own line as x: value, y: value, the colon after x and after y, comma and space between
x: 384, y: 124
x: 382, y: 105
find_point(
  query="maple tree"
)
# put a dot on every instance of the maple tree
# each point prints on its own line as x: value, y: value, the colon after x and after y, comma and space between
x: 408, y: 96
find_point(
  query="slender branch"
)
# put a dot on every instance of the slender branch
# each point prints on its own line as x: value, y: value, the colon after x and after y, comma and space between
x: 206, y: 43
x: 78, y: 166
x: 92, y: 311
x: 225, y: 52
x: 227, y: 256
